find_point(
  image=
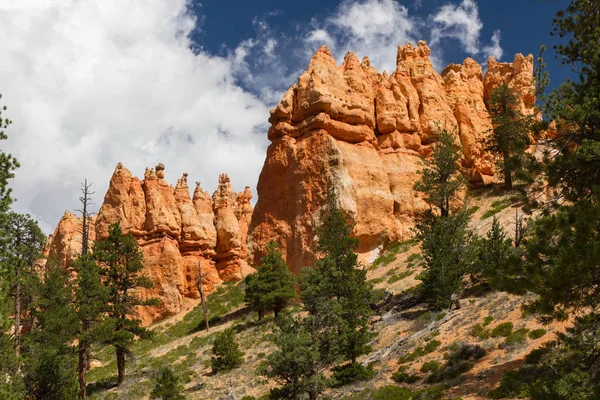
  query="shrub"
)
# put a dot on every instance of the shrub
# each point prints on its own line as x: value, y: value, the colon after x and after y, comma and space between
x: 535, y: 356
x: 459, y: 362
x: 536, y: 334
x: 226, y: 352
x: 480, y: 332
x: 167, y: 386
x: 430, y: 366
x: 403, y: 377
x: 504, y: 329
x: 431, y: 346
x: 487, y: 320
x: 517, y: 337
x: 349, y: 373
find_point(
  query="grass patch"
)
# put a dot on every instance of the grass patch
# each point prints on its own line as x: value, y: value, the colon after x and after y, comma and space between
x: 497, y: 206
x: 390, y: 253
x: 420, y: 351
x: 400, y: 276
x: 480, y: 332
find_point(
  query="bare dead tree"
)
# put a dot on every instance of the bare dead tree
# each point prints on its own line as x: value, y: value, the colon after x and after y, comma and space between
x: 86, y: 202
x: 84, y: 351
x: 201, y: 277
x: 520, y: 226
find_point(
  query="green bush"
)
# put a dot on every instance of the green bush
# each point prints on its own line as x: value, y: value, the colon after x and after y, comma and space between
x: 535, y: 356
x: 517, y: 337
x: 536, y: 334
x: 403, y: 377
x: 431, y: 346
x: 226, y: 352
x: 480, y: 332
x: 504, y: 329
x: 167, y: 386
x: 459, y: 361
x: 487, y: 320
x: 350, y: 373
x: 430, y: 366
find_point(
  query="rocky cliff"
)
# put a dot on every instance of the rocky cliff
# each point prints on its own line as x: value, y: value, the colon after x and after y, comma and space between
x: 361, y: 134
x: 177, y: 234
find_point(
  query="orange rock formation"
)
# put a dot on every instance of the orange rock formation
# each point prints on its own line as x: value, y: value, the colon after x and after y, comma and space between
x: 361, y: 134
x: 176, y: 234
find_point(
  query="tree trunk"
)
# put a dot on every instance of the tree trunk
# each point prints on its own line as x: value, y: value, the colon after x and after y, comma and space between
x: 18, y: 321
x: 121, y: 365
x: 507, y: 175
x: 261, y: 313
x: 201, y: 290
x: 82, y: 369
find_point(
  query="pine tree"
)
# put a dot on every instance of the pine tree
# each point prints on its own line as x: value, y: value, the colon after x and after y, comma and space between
x: 449, y: 253
x: 510, y: 136
x: 446, y: 242
x: 10, y: 380
x: 167, y: 386
x: 272, y: 286
x: 336, y: 293
x: 226, y: 354
x: 121, y: 263
x: 297, y: 364
x: 440, y: 179
x: 562, y: 256
x: 50, y: 358
x: 91, y: 299
x: 499, y: 263
x: 20, y: 246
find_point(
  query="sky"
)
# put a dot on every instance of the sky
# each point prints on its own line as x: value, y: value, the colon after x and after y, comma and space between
x: 90, y: 83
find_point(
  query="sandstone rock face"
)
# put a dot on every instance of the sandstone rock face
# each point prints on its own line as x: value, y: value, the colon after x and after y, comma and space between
x: 180, y: 236
x: 360, y: 134
x: 66, y: 241
x: 518, y: 75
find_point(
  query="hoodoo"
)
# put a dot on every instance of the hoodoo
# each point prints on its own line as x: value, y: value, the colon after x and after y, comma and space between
x: 361, y: 134
x: 176, y: 233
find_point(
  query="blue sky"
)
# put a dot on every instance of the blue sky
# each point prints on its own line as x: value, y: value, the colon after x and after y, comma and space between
x: 189, y: 83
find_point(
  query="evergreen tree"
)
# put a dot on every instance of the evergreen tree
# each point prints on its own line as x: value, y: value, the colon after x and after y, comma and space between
x: 10, y: 380
x: 121, y: 263
x: 297, y: 364
x: 50, y: 360
x: 91, y: 299
x: 272, y: 286
x: 446, y: 242
x: 509, y: 138
x: 498, y: 262
x: 20, y: 246
x: 336, y: 293
x: 562, y: 256
x: 167, y: 386
x: 449, y: 253
x: 440, y: 179
x: 226, y: 354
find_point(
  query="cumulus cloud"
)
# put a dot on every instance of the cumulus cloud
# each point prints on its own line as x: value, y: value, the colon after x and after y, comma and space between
x: 372, y: 28
x: 89, y: 84
x: 494, y: 49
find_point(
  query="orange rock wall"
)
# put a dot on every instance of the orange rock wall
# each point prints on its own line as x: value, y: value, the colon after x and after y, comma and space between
x: 362, y: 134
x: 177, y: 234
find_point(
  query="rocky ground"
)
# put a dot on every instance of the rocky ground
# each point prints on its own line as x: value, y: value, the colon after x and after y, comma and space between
x: 409, y: 340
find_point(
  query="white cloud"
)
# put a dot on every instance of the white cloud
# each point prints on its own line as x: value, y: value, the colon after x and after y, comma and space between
x: 494, y: 49
x: 89, y: 84
x: 462, y: 23
x: 372, y: 28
